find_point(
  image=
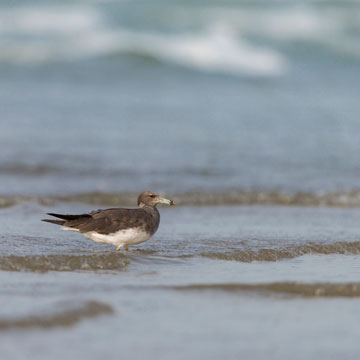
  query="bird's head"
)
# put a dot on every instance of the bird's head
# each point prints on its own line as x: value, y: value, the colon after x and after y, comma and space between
x: 149, y: 198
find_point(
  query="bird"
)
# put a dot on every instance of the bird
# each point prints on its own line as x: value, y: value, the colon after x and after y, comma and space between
x: 117, y: 226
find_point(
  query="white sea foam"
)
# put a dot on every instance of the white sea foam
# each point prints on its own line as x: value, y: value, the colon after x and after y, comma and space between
x: 209, y: 51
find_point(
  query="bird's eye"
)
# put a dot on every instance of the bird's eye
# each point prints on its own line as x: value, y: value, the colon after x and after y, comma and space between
x: 152, y: 195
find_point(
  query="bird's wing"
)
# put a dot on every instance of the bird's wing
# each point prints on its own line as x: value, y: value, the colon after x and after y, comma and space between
x: 110, y: 220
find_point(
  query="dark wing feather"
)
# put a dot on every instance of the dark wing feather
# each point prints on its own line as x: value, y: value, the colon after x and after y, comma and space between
x: 69, y: 217
x: 112, y: 220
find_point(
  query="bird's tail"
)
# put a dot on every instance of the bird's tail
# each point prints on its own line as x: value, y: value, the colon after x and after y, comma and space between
x: 57, y: 222
x: 64, y: 218
x: 68, y: 217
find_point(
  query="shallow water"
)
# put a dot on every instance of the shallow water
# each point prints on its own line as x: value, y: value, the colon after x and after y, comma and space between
x: 214, y: 281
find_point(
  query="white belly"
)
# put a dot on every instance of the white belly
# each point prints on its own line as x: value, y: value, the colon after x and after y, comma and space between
x: 121, y: 237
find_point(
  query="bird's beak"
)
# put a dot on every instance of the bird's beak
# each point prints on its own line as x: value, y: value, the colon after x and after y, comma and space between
x: 166, y: 201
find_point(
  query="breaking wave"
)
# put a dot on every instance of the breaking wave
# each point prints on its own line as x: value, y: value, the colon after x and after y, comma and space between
x: 217, y: 198
x: 282, y: 288
x: 212, y: 51
x: 64, y: 262
x: 233, y: 39
x: 65, y: 318
x: 37, y: 35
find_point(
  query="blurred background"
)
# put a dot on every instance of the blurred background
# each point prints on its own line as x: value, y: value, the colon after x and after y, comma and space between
x: 177, y: 96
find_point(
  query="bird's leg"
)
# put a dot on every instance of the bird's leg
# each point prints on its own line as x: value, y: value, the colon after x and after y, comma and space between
x: 120, y: 246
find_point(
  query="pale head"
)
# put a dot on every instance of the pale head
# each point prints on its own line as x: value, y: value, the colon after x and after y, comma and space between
x: 149, y: 198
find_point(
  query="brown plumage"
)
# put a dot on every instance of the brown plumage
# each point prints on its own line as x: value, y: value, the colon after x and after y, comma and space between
x: 117, y: 226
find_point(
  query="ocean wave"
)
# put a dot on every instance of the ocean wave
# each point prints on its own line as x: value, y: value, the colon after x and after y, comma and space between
x: 347, y: 199
x: 280, y: 288
x: 39, y: 35
x: 296, y: 22
x: 286, y: 252
x: 64, y: 262
x: 212, y: 51
x: 65, y: 318
x: 330, y: 26
x: 235, y: 39
x: 36, y: 35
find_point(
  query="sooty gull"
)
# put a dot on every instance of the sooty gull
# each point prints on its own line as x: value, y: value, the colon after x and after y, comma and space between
x: 117, y: 226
